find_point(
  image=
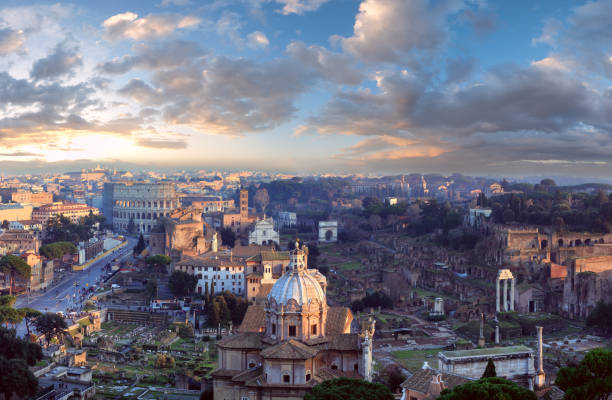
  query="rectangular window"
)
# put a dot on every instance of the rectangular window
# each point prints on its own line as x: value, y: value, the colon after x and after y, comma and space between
x: 313, y: 329
x: 274, y: 329
x: 292, y: 330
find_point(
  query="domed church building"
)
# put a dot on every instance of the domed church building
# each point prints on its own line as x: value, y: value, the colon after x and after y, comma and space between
x: 293, y: 342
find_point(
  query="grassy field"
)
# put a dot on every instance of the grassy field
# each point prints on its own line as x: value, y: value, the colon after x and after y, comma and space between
x: 413, y: 359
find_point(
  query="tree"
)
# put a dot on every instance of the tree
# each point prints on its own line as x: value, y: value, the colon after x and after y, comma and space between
x: 349, y: 388
x: 14, y: 266
x: 16, y: 379
x: 158, y: 263
x: 185, y: 331
x: 15, y: 348
x: 228, y: 237
x: 164, y: 361
x: 151, y: 288
x: 140, y: 246
x: 393, y: 377
x: 488, y: 389
x: 57, y: 250
x: 601, y: 317
x: 9, y: 315
x: 50, y: 325
x: 131, y: 226
x: 489, y: 371
x: 591, y: 380
x: 262, y: 199
x: 182, y: 284
x: 7, y: 300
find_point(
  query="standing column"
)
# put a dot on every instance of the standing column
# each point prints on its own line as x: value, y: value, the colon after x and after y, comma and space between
x: 505, y: 294
x: 512, y: 294
x: 540, y: 378
x: 497, y: 309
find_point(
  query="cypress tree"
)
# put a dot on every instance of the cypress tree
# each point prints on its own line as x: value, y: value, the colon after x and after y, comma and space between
x: 489, y: 371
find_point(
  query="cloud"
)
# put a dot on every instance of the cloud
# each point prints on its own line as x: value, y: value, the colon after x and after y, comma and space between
x: 141, y: 92
x: 300, y: 6
x: 11, y: 40
x: 391, y: 30
x: 332, y: 66
x: 20, y: 154
x: 62, y: 61
x: 167, y: 54
x: 128, y: 26
x: 459, y: 69
x: 257, y: 40
x: 167, y: 3
x: 482, y: 21
x: 550, y: 30
x: 162, y: 143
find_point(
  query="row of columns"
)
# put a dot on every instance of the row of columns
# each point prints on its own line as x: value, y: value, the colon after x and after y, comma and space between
x: 504, y: 305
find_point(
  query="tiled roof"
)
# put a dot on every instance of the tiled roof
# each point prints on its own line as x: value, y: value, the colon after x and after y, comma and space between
x: 338, y: 320
x: 248, y: 374
x: 290, y: 350
x: 254, y: 319
x: 421, y: 380
x: 248, y: 340
x: 342, y: 342
x: 250, y: 250
x: 270, y: 256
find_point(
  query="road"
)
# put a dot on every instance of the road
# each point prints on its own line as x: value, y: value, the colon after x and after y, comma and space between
x: 60, y: 296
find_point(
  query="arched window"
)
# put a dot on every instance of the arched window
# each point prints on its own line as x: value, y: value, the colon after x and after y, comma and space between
x: 252, y: 364
x: 286, y: 378
x: 334, y: 366
x: 308, y: 376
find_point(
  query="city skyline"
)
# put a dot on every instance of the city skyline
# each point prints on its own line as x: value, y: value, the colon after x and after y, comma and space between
x: 306, y: 86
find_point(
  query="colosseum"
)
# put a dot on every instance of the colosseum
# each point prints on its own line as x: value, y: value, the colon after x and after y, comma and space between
x: 138, y: 201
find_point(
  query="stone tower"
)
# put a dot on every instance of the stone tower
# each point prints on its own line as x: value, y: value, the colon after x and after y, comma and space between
x: 244, y: 204
x: 540, y: 378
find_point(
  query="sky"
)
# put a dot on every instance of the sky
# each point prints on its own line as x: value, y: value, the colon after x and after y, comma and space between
x: 373, y: 86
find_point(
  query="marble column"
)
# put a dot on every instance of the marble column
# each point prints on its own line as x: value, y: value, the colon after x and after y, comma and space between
x: 512, y: 294
x: 497, y: 309
x: 505, y: 295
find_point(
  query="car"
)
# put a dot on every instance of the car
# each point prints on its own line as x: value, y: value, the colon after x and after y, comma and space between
x: 115, y: 286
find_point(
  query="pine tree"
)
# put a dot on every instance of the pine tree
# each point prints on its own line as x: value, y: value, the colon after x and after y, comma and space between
x: 489, y: 371
x: 206, y: 294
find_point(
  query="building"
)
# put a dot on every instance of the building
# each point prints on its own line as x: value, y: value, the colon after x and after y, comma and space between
x: 477, y: 216
x: 263, y: 232
x: 90, y: 250
x: 18, y: 241
x: 25, y: 225
x: 73, y: 211
x: 66, y: 383
x: 217, y: 272
x: 287, y: 219
x: 182, y: 233
x: 15, y: 212
x: 292, y: 343
x: 428, y: 382
x: 140, y: 203
x: 32, y: 198
x: 588, y: 280
x: 515, y: 363
x: 328, y: 231
x: 41, y: 275
x: 241, y: 221
x: 209, y: 204
x: 262, y: 272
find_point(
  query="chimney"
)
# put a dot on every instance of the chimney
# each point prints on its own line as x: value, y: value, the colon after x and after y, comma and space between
x: 540, y: 379
x: 436, y: 385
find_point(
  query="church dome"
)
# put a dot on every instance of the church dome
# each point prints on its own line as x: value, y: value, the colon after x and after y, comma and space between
x: 298, y: 285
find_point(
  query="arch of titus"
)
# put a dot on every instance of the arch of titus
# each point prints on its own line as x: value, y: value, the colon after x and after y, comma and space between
x: 504, y: 275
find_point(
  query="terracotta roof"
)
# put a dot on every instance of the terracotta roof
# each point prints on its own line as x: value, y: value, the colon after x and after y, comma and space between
x: 421, y: 380
x: 270, y: 256
x: 342, y: 342
x: 250, y: 250
x: 248, y: 340
x: 290, y: 350
x: 254, y: 320
x: 338, y: 320
x: 222, y: 260
x: 325, y: 374
x: 221, y: 372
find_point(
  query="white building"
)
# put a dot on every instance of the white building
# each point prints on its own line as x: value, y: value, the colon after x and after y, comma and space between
x: 214, y: 268
x: 287, y: 219
x: 328, y: 231
x: 263, y: 232
x: 477, y: 215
